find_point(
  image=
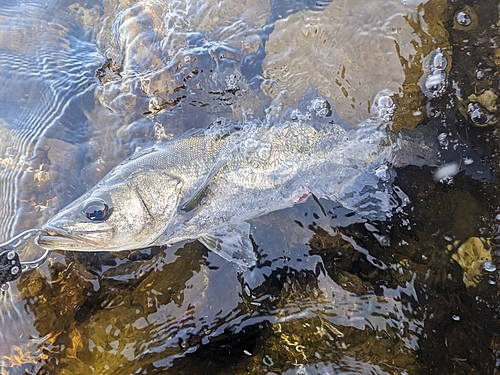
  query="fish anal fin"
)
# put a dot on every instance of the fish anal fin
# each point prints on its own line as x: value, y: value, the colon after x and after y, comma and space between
x: 231, y: 243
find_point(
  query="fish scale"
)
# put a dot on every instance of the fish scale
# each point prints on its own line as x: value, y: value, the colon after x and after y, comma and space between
x: 304, y: 158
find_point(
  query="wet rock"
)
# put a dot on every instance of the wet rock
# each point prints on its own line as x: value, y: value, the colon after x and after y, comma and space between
x: 337, y: 336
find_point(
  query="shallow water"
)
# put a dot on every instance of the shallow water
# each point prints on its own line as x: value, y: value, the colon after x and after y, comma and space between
x: 86, y: 84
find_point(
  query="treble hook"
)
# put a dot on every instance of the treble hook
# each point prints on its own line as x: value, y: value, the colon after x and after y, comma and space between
x: 11, y: 266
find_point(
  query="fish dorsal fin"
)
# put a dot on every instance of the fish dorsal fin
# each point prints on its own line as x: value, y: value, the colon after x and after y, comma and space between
x: 231, y: 243
x: 196, y: 199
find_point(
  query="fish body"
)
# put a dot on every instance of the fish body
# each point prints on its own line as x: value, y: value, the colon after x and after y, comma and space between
x: 207, y: 184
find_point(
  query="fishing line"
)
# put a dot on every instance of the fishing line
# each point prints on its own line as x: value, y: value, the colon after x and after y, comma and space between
x: 11, y: 266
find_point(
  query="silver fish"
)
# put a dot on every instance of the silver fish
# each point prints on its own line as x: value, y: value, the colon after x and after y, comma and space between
x: 208, y: 184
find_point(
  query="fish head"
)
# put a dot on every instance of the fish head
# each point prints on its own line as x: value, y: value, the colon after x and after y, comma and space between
x: 122, y: 212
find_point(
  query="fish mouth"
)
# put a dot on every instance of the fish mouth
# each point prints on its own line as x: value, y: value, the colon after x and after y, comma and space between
x: 54, y: 238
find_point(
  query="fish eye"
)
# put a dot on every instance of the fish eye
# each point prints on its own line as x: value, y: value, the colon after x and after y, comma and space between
x: 96, y: 210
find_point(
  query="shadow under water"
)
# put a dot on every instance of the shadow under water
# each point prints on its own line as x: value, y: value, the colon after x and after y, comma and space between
x: 86, y: 84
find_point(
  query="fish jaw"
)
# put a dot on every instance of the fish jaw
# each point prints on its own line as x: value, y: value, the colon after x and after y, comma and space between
x: 54, y: 238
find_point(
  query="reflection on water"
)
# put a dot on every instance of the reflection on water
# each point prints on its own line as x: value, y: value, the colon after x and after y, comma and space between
x: 84, y: 84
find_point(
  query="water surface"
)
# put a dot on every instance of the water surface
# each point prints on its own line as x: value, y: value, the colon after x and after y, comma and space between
x: 86, y: 84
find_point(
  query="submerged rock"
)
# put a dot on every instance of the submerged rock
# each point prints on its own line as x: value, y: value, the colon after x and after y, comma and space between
x: 471, y: 256
x: 353, y: 51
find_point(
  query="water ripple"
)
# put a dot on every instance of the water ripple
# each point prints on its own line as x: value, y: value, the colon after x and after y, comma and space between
x: 38, y: 91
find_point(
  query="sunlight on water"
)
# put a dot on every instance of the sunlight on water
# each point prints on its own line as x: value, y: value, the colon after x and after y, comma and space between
x: 21, y: 346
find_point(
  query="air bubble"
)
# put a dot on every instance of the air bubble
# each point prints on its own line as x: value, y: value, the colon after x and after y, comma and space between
x: 160, y: 133
x: 439, y: 61
x: 432, y: 111
x: 267, y: 360
x: 489, y: 266
x: 321, y: 107
x: 14, y: 270
x: 435, y: 80
x: 251, y: 144
x: 385, y: 101
x: 183, y: 344
x: 264, y: 151
x: 383, y: 106
x: 479, y: 115
x: 11, y: 255
x: 455, y: 317
x: 4, y: 287
x: 443, y: 141
x: 435, y: 84
x: 383, y: 173
x: 232, y: 82
x: 294, y: 115
x: 155, y: 104
x: 448, y: 180
x: 463, y: 18
x: 480, y: 74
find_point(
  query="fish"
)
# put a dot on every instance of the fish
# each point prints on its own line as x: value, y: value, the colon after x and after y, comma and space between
x: 207, y: 184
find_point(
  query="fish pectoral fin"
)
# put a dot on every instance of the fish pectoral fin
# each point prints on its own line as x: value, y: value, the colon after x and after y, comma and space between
x: 232, y: 243
x: 196, y: 199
